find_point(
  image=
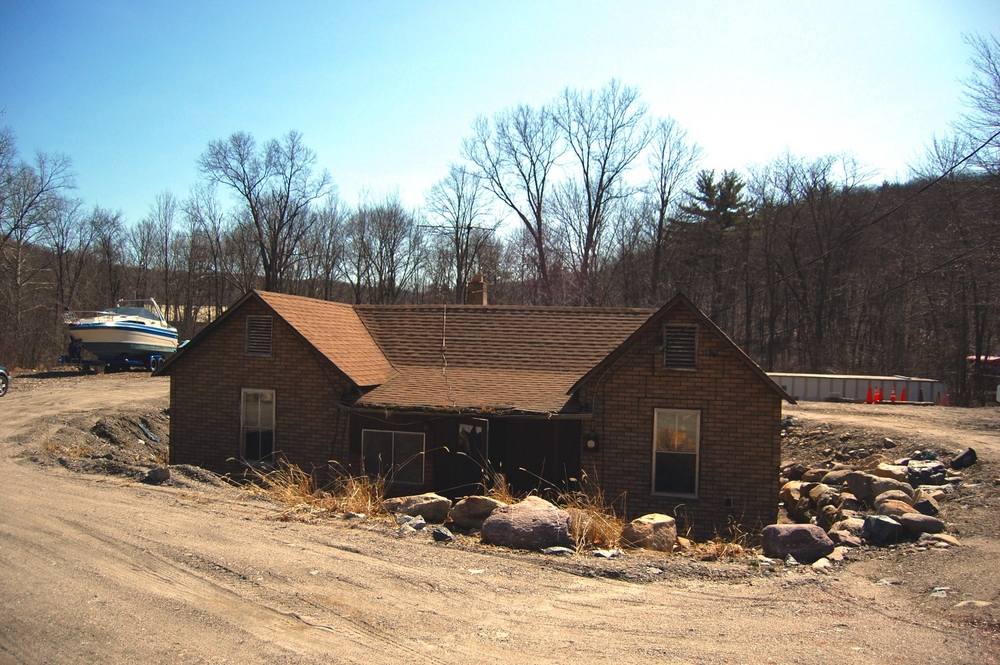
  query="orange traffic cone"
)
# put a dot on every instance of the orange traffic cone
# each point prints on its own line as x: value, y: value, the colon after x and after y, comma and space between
x: 878, y: 396
x: 902, y: 396
x: 869, y: 399
x: 892, y: 394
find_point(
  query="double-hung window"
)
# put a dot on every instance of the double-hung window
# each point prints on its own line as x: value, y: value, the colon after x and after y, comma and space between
x: 396, y: 456
x: 257, y: 426
x: 676, y: 437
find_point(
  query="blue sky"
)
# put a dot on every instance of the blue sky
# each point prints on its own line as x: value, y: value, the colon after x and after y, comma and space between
x: 384, y: 92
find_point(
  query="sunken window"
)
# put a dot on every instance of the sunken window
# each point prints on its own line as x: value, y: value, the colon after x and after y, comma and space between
x: 259, y: 335
x: 680, y: 347
x: 396, y: 456
x: 676, y: 440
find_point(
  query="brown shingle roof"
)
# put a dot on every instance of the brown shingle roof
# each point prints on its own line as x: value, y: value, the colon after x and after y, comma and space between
x: 494, y: 358
x: 336, y: 332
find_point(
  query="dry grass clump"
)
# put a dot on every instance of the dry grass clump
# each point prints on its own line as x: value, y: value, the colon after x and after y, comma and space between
x: 735, y: 546
x: 593, y: 521
x: 495, y: 486
x: 73, y: 450
x: 288, y: 484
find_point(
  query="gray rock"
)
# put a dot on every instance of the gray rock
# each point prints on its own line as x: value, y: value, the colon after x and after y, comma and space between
x: 854, y: 526
x: 472, y: 511
x: 418, y: 522
x: 652, y: 532
x: 926, y: 472
x: 558, y: 551
x: 433, y: 507
x: 157, y: 475
x: 354, y: 516
x: 926, y: 505
x: 824, y: 495
x: 405, y: 530
x: 917, y: 523
x: 442, y: 534
x: 965, y: 459
x: 882, y: 529
x: 924, y: 455
x: 607, y: 554
x: 532, y: 524
x: 888, y: 443
x: 804, y: 542
x: 794, y: 471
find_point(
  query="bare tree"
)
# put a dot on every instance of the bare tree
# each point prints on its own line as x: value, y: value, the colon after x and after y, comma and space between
x: 982, y: 98
x: 276, y: 186
x: 515, y: 153
x: 672, y: 161
x: 109, y: 235
x: 385, y: 251
x: 456, y: 203
x: 605, y: 131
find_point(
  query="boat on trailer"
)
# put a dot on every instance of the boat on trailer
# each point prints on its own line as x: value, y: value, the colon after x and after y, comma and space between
x: 135, y: 332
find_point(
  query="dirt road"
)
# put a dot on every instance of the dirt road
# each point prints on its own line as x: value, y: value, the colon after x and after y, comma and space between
x: 94, y: 568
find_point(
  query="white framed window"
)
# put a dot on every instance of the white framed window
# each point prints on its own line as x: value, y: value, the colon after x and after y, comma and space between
x: 680, y: 347
x: 676, y: 440
x: 257, y: 426
x: 396, y: 456
x: 259, y: 335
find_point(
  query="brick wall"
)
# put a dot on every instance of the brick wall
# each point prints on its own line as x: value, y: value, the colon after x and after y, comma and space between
x: 740, y: 446
x: 205, y: 393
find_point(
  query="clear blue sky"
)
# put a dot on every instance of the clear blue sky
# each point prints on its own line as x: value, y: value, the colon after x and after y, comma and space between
x: 384, y: 92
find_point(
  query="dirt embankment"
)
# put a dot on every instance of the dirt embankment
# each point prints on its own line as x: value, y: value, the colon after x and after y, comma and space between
x: 100, y: 567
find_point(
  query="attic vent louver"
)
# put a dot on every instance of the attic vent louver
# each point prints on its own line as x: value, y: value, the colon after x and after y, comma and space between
x: 680, y: 347
x: 258, y: 335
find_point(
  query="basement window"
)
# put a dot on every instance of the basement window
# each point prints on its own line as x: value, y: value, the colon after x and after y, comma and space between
x: 257, y: 426
x: 259, y: 335
x: 680, y: 347
x: 396, y: 456
x: 676, y: 439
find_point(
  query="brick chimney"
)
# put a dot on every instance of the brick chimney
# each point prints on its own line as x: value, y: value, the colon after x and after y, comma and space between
x: 476, y: 293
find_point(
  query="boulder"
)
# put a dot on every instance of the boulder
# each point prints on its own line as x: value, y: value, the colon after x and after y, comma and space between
x: 802, y: 511
x: 965, y: 459
x: 926, y: 472
x: 849, y: 502
x: 895, y: 509
x: 532, y: 524
x: 805, y: 542
x: 926, y: 505
x: 813, y: 475
x: 651, y: 532
x: 892, y: 495
x: 432, y: 507
x: 859, y: 484
x: 836, y: 477
x: 880, y: 485
x: 157, y: 475
x: 472, y: 511
x: 824, y: 495
x: 827, y: 516
x: 844, y: 538
x: 900, y: 473
x: 789, y: 494
x: 883, y: 529
x: 916, y: 523
x: 851, y: 525
x: 794, y: 471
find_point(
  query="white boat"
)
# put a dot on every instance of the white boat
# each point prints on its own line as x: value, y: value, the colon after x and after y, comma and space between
x: 135, y: 330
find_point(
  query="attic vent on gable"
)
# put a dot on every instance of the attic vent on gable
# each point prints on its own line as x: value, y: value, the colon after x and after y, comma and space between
x: 680, y: 347
x: 259, y: 335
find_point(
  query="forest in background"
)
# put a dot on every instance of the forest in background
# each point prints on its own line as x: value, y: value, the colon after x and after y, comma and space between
x: 589, y: 200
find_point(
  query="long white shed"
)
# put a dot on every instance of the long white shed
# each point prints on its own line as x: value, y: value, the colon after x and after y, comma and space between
x: 823, y: 387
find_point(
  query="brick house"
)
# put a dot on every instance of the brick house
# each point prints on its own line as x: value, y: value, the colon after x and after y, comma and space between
x: 659, y: 407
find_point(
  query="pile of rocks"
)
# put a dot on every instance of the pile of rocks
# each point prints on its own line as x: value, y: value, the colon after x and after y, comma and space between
x: 879, y: 503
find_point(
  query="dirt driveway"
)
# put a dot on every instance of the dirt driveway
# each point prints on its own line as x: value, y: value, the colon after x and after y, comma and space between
x: 97, y: 568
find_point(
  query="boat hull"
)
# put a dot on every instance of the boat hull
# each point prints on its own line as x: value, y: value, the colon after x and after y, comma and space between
x: 120, y: 341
